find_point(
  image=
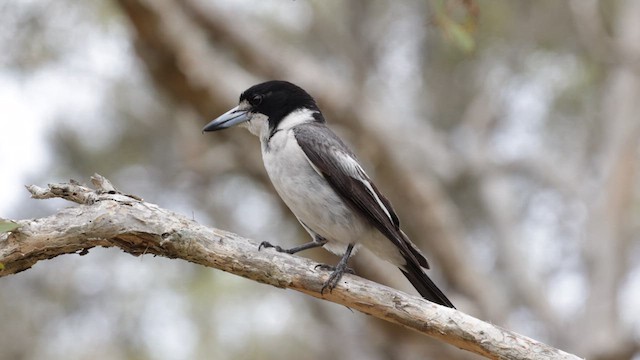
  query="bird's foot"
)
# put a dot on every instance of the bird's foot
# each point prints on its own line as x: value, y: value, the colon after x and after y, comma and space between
x: 310, y: 245
x: 278, y: 248
x: 336, y: 275
x: 326, y: 267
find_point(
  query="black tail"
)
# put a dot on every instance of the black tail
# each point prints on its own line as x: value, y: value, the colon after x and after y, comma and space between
x: 415, y: 274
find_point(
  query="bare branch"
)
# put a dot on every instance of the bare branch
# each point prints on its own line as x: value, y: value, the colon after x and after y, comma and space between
x: 110, y: 219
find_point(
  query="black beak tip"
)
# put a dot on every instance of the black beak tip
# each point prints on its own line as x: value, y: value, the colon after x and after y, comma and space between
x: 210, y: 128
x: 227, y: 120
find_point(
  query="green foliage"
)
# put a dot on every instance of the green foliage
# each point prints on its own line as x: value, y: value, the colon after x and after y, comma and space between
x: 458, y: 20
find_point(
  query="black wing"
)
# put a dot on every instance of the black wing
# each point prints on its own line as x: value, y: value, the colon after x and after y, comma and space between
x: 332, y: 159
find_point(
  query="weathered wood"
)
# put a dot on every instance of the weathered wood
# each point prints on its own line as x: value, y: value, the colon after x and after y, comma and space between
x: 108, y: 218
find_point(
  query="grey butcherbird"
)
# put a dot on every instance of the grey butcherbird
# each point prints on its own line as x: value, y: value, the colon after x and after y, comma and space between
x: 321, y: 181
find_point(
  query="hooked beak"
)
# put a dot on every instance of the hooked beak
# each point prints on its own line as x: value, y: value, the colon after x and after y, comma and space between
x: 232, y: 117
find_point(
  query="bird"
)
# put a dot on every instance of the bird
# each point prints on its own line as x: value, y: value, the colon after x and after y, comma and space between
x: 323, y: 184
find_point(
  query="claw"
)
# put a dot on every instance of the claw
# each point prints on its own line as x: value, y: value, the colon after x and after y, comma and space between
x: 293, y: 250
x: 326, y: 267
x: 338, y: 271
x: 265, y: 244
x: 335, y: 276
x: 278, y: 248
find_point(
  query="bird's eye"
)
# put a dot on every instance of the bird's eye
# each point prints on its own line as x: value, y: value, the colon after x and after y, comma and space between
x: 255, y: 100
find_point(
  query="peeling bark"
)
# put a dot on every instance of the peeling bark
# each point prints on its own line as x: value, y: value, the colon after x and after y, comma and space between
x: 108, y: 218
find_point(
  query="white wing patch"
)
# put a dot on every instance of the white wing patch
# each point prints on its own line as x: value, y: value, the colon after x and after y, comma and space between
x: 375, y: 196
x: 313, y: 165
x: 354, y: 170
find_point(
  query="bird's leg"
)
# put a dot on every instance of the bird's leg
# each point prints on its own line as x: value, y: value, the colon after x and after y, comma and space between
x: 338, y: 271
x: 317, y: 242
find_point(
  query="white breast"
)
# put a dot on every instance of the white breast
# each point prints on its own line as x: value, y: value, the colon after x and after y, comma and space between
x: 308, y: 195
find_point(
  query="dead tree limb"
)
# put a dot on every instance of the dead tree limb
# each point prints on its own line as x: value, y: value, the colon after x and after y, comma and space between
x: 108, y: 218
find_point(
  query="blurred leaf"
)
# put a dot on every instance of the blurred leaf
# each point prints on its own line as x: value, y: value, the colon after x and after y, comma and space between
x: 460, y: 37
x: 8, y: 226
x: 458, y: 23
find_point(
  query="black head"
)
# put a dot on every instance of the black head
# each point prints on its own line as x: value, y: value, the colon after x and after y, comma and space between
x: 271, y: 101
x: 277, y: 99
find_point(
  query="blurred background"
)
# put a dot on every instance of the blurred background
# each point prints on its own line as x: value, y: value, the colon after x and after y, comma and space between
x: 505, y: 134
